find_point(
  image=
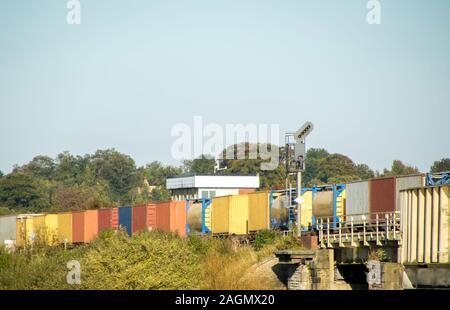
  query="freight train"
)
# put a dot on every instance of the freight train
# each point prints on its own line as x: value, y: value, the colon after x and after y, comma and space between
x: 221, y: 216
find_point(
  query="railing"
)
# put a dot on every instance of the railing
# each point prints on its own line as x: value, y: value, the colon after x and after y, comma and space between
x: 352, y: 230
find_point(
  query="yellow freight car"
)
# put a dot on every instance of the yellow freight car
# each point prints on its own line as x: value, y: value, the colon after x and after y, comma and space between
x: 258, y: 211
x: 229, y: 215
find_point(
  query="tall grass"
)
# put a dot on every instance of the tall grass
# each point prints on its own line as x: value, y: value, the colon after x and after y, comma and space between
x: 151, y: 260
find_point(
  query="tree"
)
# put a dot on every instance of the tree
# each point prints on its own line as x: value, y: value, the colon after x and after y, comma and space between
x: 399, y: 168
x: 22, y: 191
x: 442, y: 165
x: 312, y: 160
x: 364, y: 172
x: 41, y: 167
x: 202, y: 165
x: 156, y: 174
x: 159, y: 193
x: 119, y: 171
x: 336, y: 167
x: 273, y: 179
x: 1, y: 174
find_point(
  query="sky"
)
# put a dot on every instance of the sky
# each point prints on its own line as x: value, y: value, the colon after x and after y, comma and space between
x: 133, y: 69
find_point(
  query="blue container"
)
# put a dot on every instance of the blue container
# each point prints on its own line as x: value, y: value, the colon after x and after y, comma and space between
x: 125, y: 219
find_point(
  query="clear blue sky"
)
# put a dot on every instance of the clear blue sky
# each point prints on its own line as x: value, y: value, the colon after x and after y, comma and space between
x: 133, y: 69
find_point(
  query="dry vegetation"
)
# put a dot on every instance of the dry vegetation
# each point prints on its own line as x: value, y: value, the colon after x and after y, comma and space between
x: 147, y: 261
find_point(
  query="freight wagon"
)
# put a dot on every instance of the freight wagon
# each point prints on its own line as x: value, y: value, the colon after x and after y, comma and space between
x: 236, y: 214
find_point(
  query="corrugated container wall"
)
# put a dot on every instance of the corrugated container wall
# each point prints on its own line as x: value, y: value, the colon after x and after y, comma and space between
x: 25, y: 228
x: 7, y: 228
x: 125, y: 219
x: 258, y: 211
x: 90, y: 225
x: 65, y: 227
x: 104, y: 219
x: 425, y: 220
x: 230, y: 215
x: 171, y: 216
x: 178, y: 217
x: 151, y: 216
x: 115, y: 218
x: 407, y: 182
x: 306, y: 209
x: 219, y: 213
x: 382, y: 195
x: 78, y: 227
x: 139, y: 218
x: 357, y: 200
x: 238, y: 215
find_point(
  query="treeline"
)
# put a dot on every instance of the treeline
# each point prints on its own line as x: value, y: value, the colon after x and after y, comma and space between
x: 109, y: 178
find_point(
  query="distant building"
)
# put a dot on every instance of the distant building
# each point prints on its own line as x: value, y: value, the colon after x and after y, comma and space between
x: 209, y: 186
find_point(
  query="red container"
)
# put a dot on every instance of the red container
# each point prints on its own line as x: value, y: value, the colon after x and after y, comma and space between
x: 114, y: 218
x: 171, y: 217
x: 151, y: 216
x: 139, y: 223
x: 104, y: 219
x: 382, y: 195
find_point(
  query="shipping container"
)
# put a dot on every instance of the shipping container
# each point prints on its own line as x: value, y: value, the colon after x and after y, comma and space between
x: 125, y: 219
x: 50, y: 229
x: 7, y: 228
x: 171, y: 217
x: 425, y: 220
x: 258, y: 211
x: 229, y: 215
x: 65, y: 227
x: 29, y: 229
x: 108, y: 219
x: 144, y: 218
x: 407, y: 182
x: 84, y: 226
x: 357, y: 200
x: 104, y: 219
x: 382, y: 195
x: 306, y: 209
x: 151, y: 216
x: 78, y: 219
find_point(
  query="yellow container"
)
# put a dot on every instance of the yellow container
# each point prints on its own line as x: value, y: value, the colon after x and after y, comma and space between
x: 26, y: 225
x: 65, y: 227
x: 258, y: 211
x: 219, y: 214
x: 306, y: 209
x: 238, y: 215
x: 229, y: 215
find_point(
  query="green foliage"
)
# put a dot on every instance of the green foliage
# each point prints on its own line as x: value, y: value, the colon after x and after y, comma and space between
x: 202, y: 165
x: 336, y: 167
x: 1, y: 174
x: 364, y: 172
x: 119, y: 171
x: 19, y: 190
x: 157, y: 174
x: 159, y: 193
x: 442, y: 165
x: 146, y: 261
x: 264, y: 238
x: 269, y: 179
x: 312, y: 161
x: 399, y: 168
